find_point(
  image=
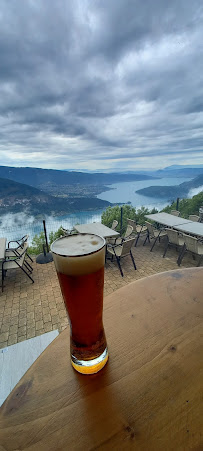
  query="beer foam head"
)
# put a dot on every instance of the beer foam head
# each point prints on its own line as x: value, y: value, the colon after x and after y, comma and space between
x: 79, y: 254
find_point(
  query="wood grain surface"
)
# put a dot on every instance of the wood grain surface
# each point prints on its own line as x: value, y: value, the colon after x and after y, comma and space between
x: 148, y: 397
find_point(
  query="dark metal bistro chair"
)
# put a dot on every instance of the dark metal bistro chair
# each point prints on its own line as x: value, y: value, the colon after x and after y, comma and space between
x: 153, y: 234
x: 174, y: 239
x: 192, y: 245
x: 122, y: 250
x: 18, y: 249
x: 15, y: 262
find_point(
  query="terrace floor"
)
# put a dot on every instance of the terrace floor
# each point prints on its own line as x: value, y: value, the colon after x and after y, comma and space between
x: 28, y: 310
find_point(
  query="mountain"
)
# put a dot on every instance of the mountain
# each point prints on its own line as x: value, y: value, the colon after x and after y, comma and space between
x: 41, y: 177
x: 171, y: 192
x: 18, y: 197
x: 178, y: 172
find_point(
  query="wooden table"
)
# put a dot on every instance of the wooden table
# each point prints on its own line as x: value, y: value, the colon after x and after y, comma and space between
x: 97, y: 228
x: 167, y: 219
x: 148, y: 395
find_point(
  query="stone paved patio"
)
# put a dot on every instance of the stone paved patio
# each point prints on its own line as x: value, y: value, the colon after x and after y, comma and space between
x: 28, y: 310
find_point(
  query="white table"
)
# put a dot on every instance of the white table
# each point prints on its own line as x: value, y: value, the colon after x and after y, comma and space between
x: 193, y: 228
x: 167, y: 219
x: 97, y: 229
x: 2, y: 251
x: 2, y: 248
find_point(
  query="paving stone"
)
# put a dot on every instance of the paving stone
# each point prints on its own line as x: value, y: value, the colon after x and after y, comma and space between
x: 4, y: 337
x: 47, y: 318
x: 5, y: 327
x: 13, y: 338
x: 39, y: 325
x: 13, y: 329
x: 48, y: 326
x: 40, y: 332
x: 21, y: 338
x: 55, y: 319
x: 30, y: 308
x: 31, y: 333
x: 30, y: 315
x: 7, y: 320
x: 3, y: 344
x: 22, y: 330
x: 38, y: 316
x: 22, y: 322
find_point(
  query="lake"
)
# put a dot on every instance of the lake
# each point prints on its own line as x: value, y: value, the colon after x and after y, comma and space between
x: 14, y: 226
x: 125, y: 192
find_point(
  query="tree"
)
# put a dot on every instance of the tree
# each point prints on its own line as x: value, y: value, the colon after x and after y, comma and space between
x: 39, y: 240
x: 187, y: 206
x: 128, y: 212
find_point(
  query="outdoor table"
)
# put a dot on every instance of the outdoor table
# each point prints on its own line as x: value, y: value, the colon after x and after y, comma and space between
x: 2, y: 252
x: 193, y: 228
x: 98, y: 229
x: 167, y: 219
x: 2, y: 248
x: 147, y: 397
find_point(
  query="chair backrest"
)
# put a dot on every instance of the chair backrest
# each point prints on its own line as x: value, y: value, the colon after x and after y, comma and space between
x: 191, y: 243
x: 129, y: 231
x: 22, y: 240
x: 114, y: 224
x: 194, y: 218
x: 172, y: 236
x: 150, y: 228
x: 132, y: 223
x: 22, y: 249
x: 175, y: 213
x: 16, y: 261
x: 127, y: 245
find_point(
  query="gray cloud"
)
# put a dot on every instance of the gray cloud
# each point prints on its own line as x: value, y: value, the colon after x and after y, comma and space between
x: 85, y: 84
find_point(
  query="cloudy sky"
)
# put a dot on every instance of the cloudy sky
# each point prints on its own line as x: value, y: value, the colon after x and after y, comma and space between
x: 93, y: 84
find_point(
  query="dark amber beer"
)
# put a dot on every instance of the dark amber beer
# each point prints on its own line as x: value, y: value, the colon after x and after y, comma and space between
x: 79, y: 261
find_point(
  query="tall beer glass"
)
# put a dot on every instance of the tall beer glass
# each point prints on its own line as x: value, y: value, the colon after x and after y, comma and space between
x: 79, y: 261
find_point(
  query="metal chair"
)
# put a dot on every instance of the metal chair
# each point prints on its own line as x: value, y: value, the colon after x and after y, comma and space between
x: 122, y: 250
x: 138, y: 229
x: 114, y: 224
x: 66, y: 232
x: 128, y: 233
x: 153, y: 234
x: 192, y: 245
x: 17, y: 262
x: 19, y: 249
x: 174, y: 239
x: 194, y: 218
x: 175, y: 213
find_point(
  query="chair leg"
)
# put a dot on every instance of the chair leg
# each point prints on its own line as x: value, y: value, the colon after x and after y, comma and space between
x: 181, y: 255
x: 2, y: 281
x: 166, y: 248
x: 147, y: 238
x: 29, y: 257
x: 133, y: 260
x: 154, y: 244
x: 119, y: 265
x: 137, y: 239
x: 28, y: 266
x: 26, y: 273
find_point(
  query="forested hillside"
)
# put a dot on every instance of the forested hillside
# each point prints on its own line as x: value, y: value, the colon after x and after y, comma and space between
x: 17, y: 197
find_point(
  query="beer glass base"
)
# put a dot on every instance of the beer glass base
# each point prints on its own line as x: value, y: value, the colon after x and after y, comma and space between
x: 90, y: 366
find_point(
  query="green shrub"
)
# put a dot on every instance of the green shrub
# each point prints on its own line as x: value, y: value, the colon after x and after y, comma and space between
x: 187, y: 206
x: 130, y: 212
x: 38, y: 241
